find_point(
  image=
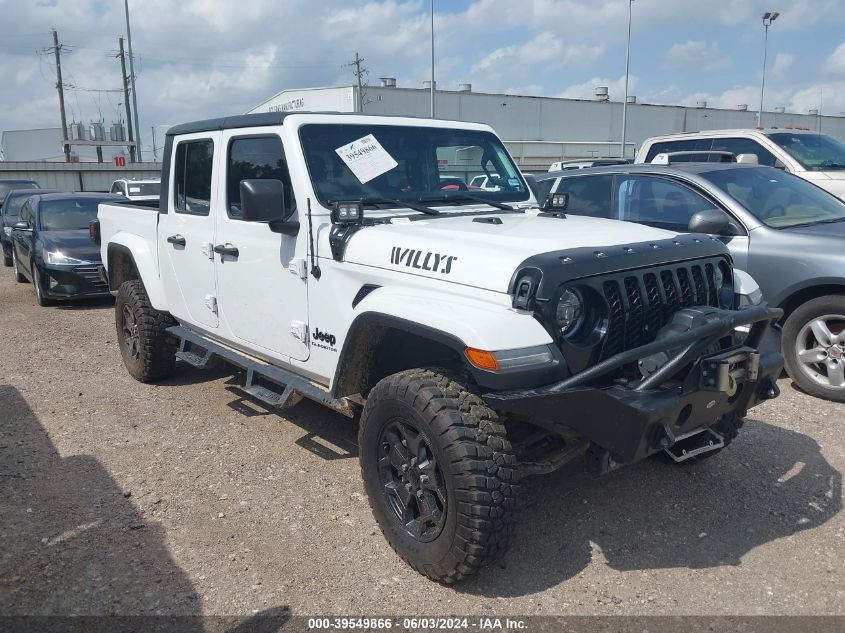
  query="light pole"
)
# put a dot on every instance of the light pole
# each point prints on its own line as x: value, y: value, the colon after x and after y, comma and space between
x: 768, y: 18
x: 431, y: 10
x: 132, y: 80
x: 627, y: 67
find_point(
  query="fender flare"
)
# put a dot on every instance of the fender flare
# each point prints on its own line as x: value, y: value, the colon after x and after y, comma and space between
x: 421, y: 313
x: 145, y: 263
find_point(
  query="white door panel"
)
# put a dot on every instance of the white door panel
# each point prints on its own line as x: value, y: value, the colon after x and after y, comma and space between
x: 262, y: 299
x: 186, y: 235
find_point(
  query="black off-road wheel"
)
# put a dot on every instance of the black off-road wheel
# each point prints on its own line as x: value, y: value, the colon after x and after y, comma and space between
x: 441, y: 476
x: 148, y: 351
x: 814, y: 347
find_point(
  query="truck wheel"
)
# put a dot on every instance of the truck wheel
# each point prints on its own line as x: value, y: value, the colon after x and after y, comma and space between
x: 439, y: 471
x: 148, y: 351
x: 814, y: 347
x: 20, y: 278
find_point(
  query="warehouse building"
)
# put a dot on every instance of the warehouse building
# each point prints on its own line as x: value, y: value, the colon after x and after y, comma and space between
x: 541, y: 130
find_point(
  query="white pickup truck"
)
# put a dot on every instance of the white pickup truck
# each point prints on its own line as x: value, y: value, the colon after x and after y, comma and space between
x: 479, y: 336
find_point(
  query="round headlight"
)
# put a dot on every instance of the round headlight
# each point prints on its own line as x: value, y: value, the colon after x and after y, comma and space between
x: 569, y: 310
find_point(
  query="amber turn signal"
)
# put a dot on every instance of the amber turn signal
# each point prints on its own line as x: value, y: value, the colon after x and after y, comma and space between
x: 482, y: 359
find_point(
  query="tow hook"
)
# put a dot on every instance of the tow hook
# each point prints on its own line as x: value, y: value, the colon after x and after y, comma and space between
x: 694, y: 443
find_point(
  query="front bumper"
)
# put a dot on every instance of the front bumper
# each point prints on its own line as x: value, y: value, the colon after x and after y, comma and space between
x: 630, y: 422
x: 72, y: 282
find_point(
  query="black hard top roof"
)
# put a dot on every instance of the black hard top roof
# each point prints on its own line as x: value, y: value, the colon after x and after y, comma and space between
x: 260, y: 119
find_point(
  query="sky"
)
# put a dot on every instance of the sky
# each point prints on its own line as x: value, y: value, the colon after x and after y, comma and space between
x: 196, y: 59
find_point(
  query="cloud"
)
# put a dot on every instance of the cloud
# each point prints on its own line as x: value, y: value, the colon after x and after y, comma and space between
x: 835, y: 63
x: 783, y: 64
x: 547, y: 48
x: 695, y: 55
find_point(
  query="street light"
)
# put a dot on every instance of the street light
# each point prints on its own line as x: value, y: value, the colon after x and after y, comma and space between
x: 768, y: 18
x: 627, y: 67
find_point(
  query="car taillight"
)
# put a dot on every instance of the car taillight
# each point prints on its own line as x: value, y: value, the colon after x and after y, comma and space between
x: 94, y: 231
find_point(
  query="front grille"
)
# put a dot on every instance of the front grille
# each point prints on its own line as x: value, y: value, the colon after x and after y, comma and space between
x: 642, y: 302
x: 93, y: 275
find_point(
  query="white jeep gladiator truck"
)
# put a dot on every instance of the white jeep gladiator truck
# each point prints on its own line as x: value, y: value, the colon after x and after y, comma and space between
x: 479, y: 336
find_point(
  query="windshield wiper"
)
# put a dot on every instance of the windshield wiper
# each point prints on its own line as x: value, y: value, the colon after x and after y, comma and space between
x: 402, y: 203
x: 466, y: 196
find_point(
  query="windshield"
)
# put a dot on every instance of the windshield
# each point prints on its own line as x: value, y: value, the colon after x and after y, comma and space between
x: 405, y: 163
x: 776, y: 198
x: 144, y: 188
x: 67, y: 215
x: 815, y: 152
x: 13, y: 205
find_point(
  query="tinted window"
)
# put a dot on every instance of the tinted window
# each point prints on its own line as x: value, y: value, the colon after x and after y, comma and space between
x: 14, y: 203
x: 686, y: 145
x: 588, y: 196
x: 26, y: 214
x: 739, y: 146
x: 144, y: 188
x: 777, y: 198
x: 658, y: 202
x: 67, y: 215
x: 7, y: 186
x: 193, y: 177
x: 256, y: 158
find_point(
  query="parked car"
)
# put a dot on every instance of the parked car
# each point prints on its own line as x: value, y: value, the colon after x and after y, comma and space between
x: 786, y: 232
x: 486, y: 183
x: 818, y: 158
x: 52, y: 247
x: 11, y: 206
x: 17, y: 183
x: 137, y: 189
x: 479, y: 338
x: 586, y: 163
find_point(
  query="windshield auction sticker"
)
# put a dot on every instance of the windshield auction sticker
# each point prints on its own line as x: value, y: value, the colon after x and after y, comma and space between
x: 366, y: 158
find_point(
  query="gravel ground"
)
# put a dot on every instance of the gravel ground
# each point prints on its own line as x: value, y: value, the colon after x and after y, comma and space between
x: 186, y: 498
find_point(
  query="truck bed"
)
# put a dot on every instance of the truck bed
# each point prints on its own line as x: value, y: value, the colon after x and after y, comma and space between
x: 129, y: 224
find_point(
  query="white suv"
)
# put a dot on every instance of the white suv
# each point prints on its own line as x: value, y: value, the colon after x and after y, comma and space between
x: 815, y: 157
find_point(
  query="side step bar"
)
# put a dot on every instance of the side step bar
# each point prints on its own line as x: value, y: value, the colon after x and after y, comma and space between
x: 200, y: 351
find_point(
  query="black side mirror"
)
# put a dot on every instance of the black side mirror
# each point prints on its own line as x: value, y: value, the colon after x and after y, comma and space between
x: 263, y: 200
x: 556, y: 202
x: 714, y: 221
x: 21, y: 226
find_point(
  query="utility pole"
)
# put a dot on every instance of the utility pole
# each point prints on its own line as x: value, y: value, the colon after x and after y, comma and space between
x: 359, y: 76
x: 132, y: 79
x: 126, y: 100
x: 155, y: 151
x: 60, y: 87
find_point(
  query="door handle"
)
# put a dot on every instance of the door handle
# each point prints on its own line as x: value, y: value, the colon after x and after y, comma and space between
x: 176, y: 240
x: 226, y: 249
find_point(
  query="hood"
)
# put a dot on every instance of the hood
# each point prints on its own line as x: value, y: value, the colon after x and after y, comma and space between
x: 76, y: 244
x: 835, y: 230
x: 485, y: 255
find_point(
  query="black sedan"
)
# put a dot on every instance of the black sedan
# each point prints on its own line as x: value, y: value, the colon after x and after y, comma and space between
x: 52, y: 248
x: 15, y: 194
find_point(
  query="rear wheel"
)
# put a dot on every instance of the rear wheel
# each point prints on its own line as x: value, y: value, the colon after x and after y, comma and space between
x: 20, y: 278
x: 148, y: 350
x: 439, y: 471
x: 814, y: 347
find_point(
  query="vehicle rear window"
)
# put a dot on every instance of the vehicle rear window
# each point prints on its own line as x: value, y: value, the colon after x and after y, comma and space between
x: 193, y: 176
x: 685, y: 145
x: 13, y: 205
